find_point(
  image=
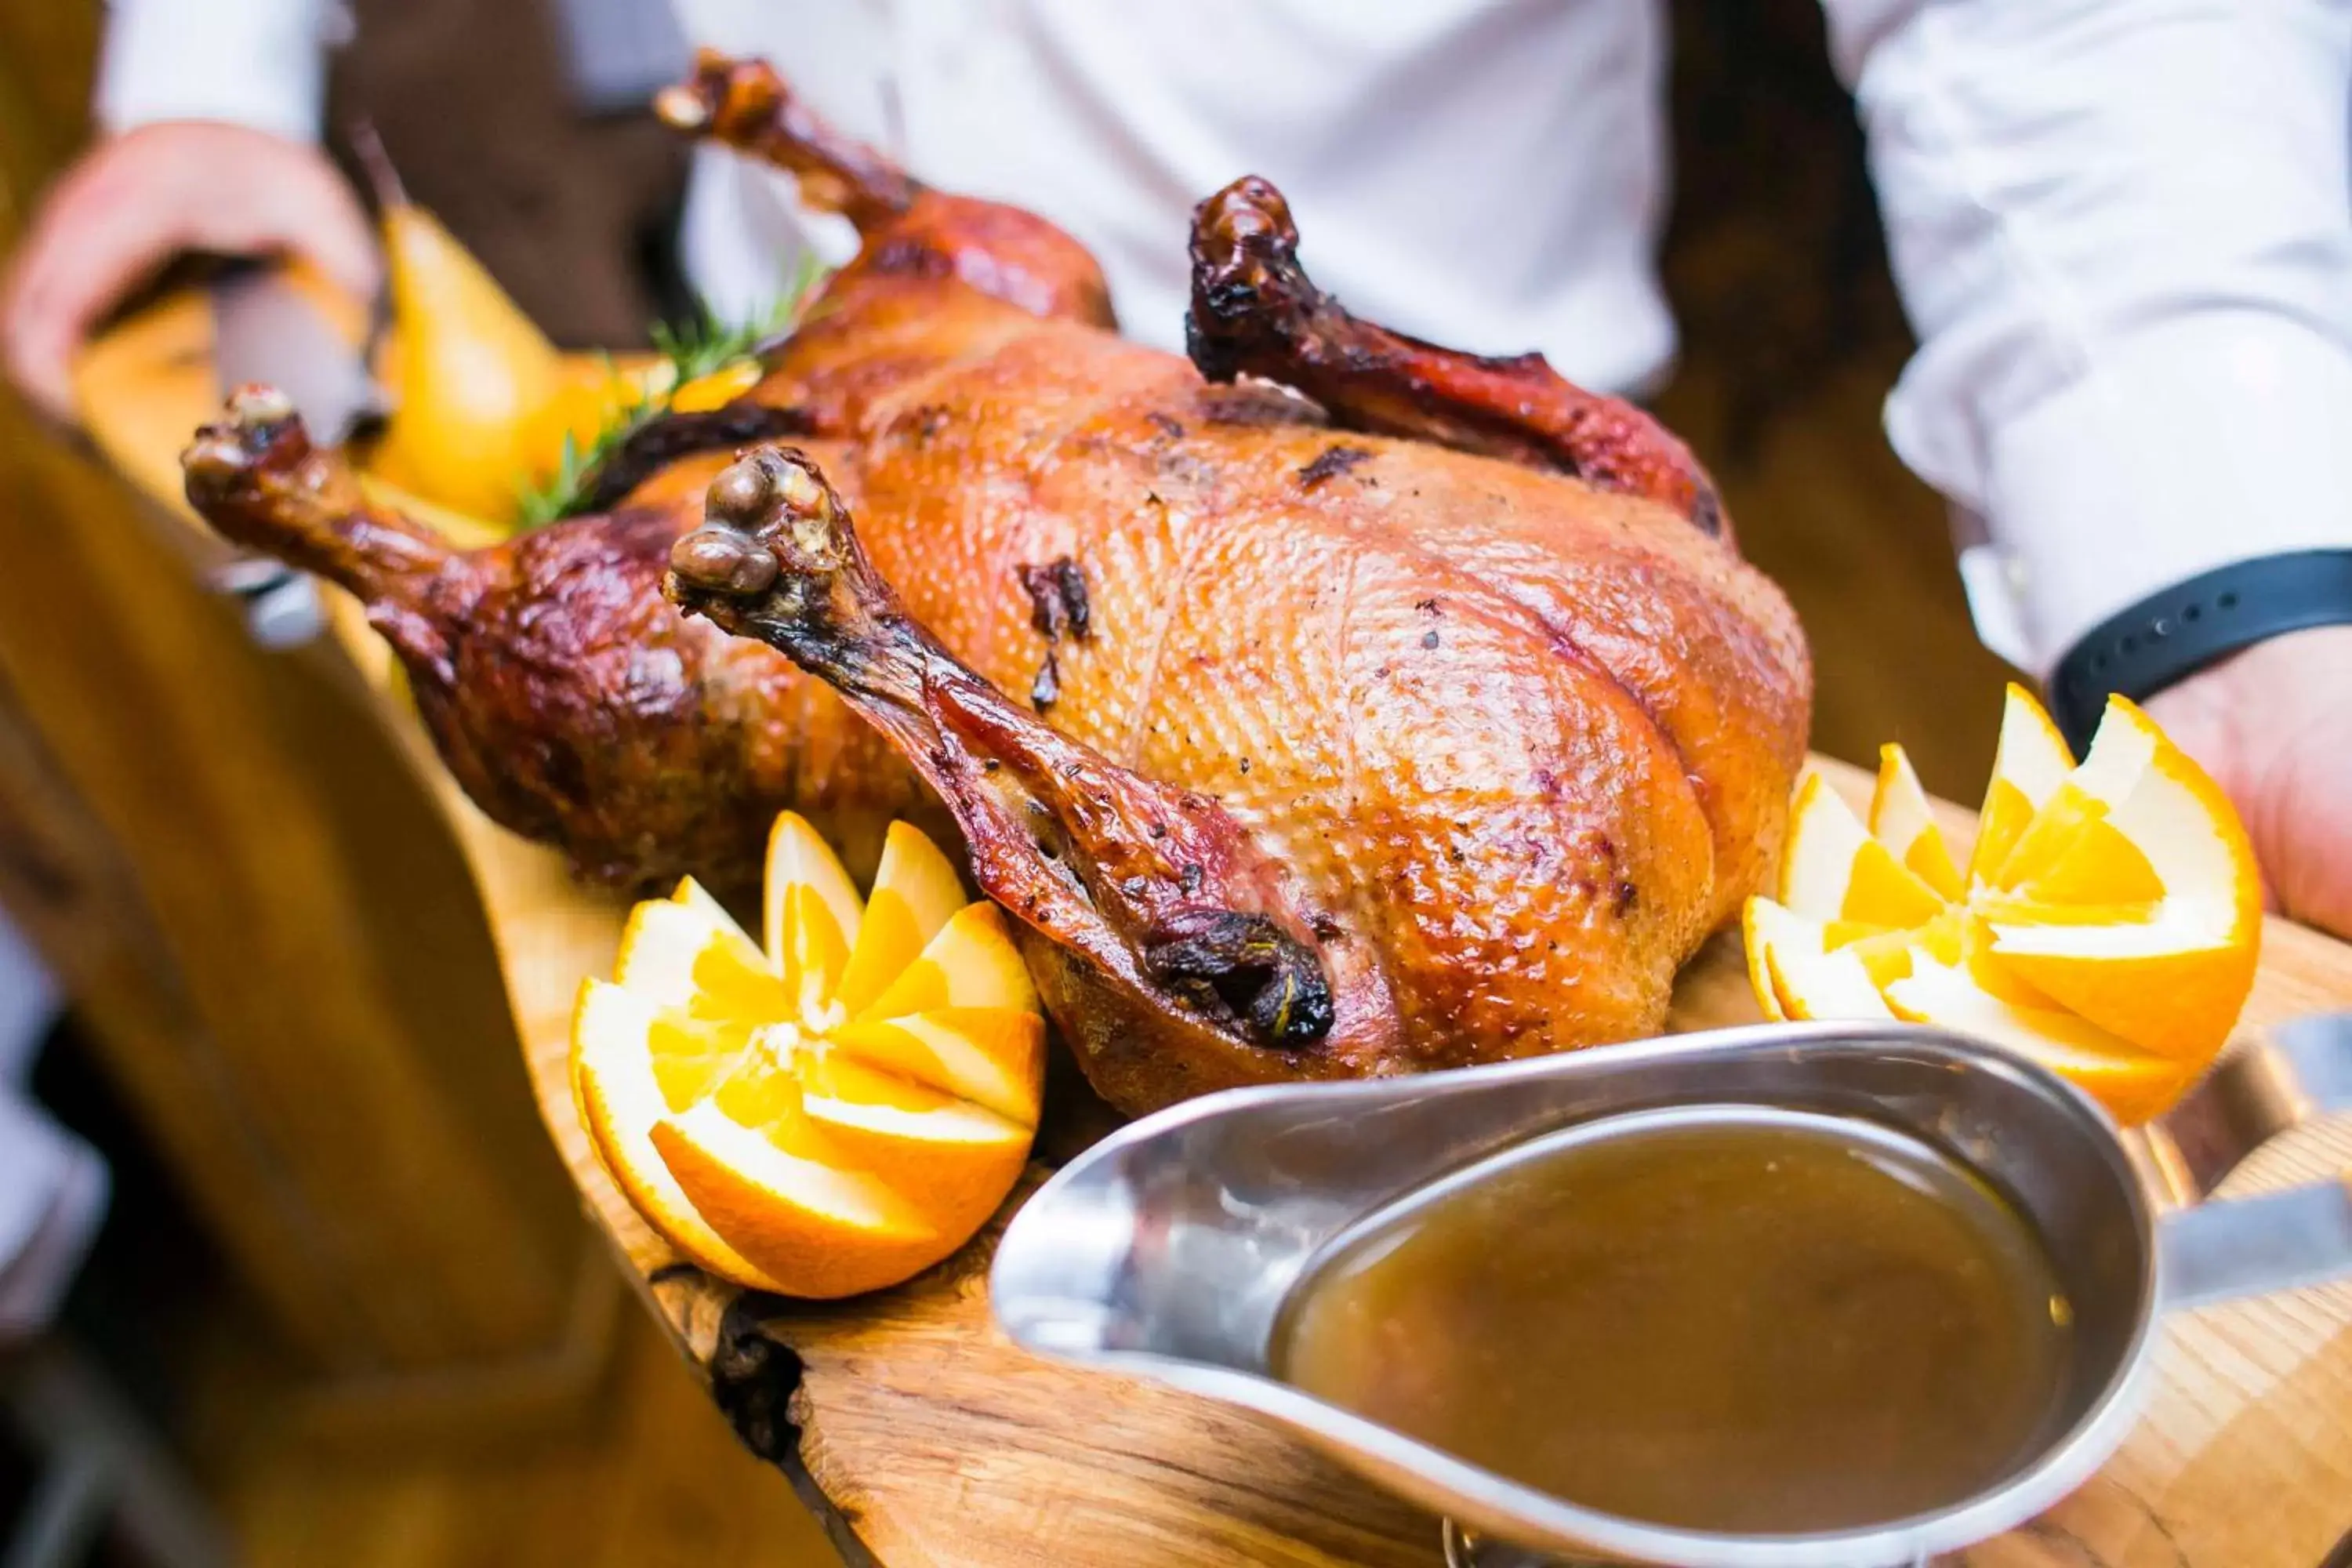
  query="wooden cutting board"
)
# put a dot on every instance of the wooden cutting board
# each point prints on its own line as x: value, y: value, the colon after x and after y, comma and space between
x: 924, y: 1439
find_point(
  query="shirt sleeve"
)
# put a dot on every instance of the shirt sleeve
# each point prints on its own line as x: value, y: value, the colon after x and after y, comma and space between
x: 2123, y: 231
x: 260, y: 63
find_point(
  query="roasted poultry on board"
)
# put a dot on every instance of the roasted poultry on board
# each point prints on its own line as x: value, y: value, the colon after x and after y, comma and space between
x: 1434, y: 721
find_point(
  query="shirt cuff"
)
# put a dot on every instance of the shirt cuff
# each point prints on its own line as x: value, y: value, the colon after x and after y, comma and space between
x: 2186, y: 445
x: 258, y: 63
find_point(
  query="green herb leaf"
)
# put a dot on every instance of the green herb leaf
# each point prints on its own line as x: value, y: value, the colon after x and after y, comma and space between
x: 699, y: 348
x: 703, y: 345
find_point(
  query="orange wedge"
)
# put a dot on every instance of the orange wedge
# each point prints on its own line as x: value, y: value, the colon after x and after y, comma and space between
x: 689, y: 954
x: 613, y: 1059
x: 1804, y: 973
x: 916, y: 893
x: 2133, y: 1086
x: 1833, y: 869
x: 993, y: 1058
x: 2029, y: 763
x: 717, y: 388
x: 1756, y: 938
x: 772, y: 1139
x: 952, y: 1160
x: 2107, y: 926
x: 757, y: 1170
x: 970, y: 964
x: 1900, y: 819
x: 811, y: 910
x: 2153, y: 832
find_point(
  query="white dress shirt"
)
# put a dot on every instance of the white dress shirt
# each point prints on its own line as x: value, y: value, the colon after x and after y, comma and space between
x: 2123, y: 228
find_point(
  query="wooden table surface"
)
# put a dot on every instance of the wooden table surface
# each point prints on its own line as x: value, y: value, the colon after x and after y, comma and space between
x: 922, y: 1438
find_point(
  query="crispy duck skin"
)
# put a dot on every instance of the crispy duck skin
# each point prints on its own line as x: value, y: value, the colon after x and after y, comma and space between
x: 1148, y: 913
x: 1424, y: 723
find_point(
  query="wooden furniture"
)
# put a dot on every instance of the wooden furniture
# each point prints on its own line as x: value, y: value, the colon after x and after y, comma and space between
x: 267, y: 936
x: 652, y: 1477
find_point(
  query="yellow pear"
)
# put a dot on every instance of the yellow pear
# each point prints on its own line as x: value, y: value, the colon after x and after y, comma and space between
x: 474, y: 381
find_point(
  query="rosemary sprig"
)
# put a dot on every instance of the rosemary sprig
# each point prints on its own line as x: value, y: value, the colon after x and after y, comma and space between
x: 700, y: 347
x: 559, y: 494
x: 703, y: 345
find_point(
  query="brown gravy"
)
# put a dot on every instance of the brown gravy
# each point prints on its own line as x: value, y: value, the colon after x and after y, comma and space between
x: 1765, y: 1321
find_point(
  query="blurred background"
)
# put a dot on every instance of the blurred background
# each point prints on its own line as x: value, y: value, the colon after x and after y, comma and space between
x: 340, y: 1306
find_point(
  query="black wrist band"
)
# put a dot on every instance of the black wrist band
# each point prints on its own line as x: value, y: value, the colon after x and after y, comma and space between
x: 2173, y: 634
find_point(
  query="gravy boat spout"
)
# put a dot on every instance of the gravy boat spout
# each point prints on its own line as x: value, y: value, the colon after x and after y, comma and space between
x: 1168, y: 1250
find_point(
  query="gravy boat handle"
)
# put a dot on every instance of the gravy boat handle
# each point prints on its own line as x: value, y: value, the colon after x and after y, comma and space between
x: 2215, y: 1252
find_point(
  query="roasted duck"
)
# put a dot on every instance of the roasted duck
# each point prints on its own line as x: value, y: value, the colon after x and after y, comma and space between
x: 1432, y: 721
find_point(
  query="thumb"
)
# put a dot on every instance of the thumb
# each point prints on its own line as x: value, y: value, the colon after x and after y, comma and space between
x: 311, y: 214
x: 346, y: 252
x: 2275, y: 725
x: 287, y: 200
x: 2309, y: 821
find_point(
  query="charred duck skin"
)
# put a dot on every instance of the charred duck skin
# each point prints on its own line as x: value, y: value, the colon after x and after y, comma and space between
x: 1406, y: 723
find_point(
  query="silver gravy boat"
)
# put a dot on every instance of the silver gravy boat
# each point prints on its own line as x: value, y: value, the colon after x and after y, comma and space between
x: 1166, y: 1251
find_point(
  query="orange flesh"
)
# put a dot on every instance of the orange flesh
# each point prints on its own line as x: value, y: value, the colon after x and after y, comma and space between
x: 2046, y: 886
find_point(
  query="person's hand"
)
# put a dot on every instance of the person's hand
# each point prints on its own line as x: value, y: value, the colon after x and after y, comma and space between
x: 2274, y: 726
x: 134, y: 201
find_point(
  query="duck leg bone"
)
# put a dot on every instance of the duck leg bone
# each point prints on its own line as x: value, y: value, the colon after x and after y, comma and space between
x: 1158, y: 888
x: 907, y: 230
x: 1254, y: 311
x: 744, y: 105
x: 253, y: 474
